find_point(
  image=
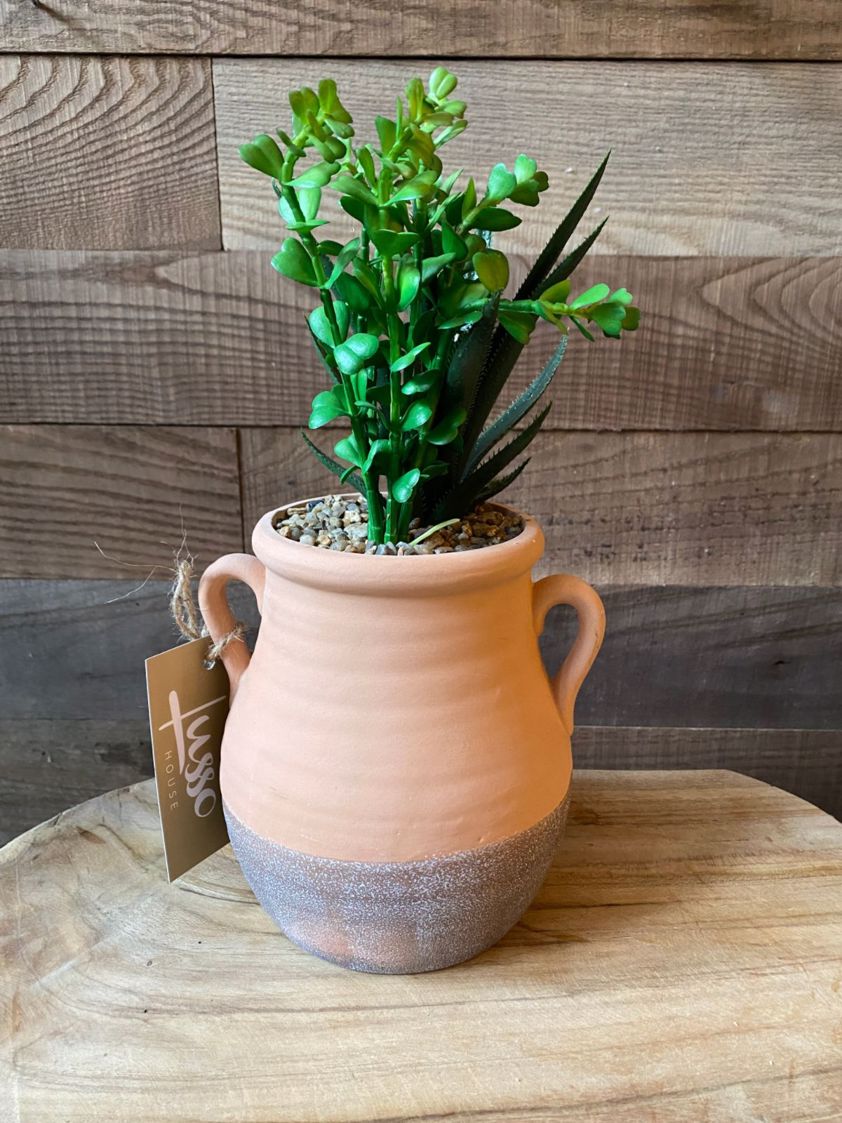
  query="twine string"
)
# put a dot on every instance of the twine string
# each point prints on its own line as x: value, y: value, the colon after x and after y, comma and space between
x: 187, y: 617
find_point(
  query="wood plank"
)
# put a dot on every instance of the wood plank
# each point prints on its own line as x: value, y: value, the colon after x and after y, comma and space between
x: 107, y: 153
x: 723, y: 657
x: 48, y: 766
x: 770, y: 29
x: 756, y: 657
x: 680, y: 962
x: 75, y: 649
x: 640, y: 508
x: 806, y: 762
x: 685, y: 177
x: 135, y: 492
x: 220, y: 339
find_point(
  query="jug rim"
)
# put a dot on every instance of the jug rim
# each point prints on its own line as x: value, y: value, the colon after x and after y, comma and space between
x: 387, y: 575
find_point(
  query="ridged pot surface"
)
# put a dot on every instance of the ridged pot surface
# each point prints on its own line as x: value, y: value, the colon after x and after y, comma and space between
x: 395, y: 740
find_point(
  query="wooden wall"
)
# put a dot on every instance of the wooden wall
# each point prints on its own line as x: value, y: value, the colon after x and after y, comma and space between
x: 153, y: 368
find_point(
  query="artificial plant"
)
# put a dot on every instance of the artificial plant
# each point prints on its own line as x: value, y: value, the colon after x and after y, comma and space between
x: 412, y: 325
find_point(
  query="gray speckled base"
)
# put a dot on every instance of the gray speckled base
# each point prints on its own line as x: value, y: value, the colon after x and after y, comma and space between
x: 398, y: 917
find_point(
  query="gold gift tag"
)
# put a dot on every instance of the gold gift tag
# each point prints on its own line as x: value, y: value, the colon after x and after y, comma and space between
x: 188, y: 705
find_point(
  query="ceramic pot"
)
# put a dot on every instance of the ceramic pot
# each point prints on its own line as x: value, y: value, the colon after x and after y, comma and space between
x: 396, y: 762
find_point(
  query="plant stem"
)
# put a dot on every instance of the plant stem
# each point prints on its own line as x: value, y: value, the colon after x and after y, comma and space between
x: 374, y: 500
x: 393, y: 327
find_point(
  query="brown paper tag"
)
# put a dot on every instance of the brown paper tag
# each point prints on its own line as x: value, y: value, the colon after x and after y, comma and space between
x: 188, y: 705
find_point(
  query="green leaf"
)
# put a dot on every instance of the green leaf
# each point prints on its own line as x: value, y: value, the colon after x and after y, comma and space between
x: 409, y: 282
x: 393, y: 244
x: 386, y: 133
x: 495, y: 218
x: 518, y: 409
x: 556, y: 294
x: 621, y: 296
x: 519, y: 325
x: 452, y: 244
x: 329, y: 247
x: 319, y: 175
x: 263, y: 155
x: 367, y: 277
x: 355, y: 208
x: 501, y: 183
x: 591, y: 296
x: 294, y: 262
x: 540, y: 271
x: 632, y: 319
x: 492, y: 268
x: 447, y: 430
x: 469, y: 198
x: 353, y: 293
x: 321, y: 327
x: 409, y: 358
x: 355, y: 188
x: 366, y: 161
x: 356, y: 352
x: 379, y: 449
x: 404, y: 486
x: 463, y: 319
x: 417, y: 416
x: 442, y: 83
x: 348, y: 449
x: 430, y: 266
x: 345, y: 255
x: 609, y: 316
x: 525, y: 168
x: 421, y: 186
x: 583, y: 329
x: 331, y: 465
x: 421, y: 383
x: 326, y: 407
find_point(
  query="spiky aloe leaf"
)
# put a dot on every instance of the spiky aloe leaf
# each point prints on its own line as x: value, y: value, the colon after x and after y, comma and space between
x: 469, y: 356
x: 503, y: 353
x: 498, y: 485
x: 464, y: 496
x: 333, y: 465
x: 522, y: 404
x: 563, y: 271
x: 505, y: 350
x: 550, y: 254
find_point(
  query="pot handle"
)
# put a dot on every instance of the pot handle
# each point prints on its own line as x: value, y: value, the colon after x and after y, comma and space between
x: 563, y: 588
x: 218, y: 617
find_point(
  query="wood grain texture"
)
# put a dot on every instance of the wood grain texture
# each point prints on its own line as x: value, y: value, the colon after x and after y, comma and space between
x: 107, y: 153
x: 132, y: 491
x: 137, y: 338
x: 49, y: 765
x: 681, y: 961
x: 639, y: 508
x: 806, y: 762
x: 768, y: 29
x: 687, y: 176
x: 725, y: 657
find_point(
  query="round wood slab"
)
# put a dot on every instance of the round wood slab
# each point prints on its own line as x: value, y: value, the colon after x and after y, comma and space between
x: 683, y: 961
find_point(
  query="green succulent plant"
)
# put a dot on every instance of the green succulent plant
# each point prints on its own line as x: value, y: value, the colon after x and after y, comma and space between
x: 412, y: 324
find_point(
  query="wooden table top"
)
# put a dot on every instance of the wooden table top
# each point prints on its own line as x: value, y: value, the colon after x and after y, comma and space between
x: 683, y: 961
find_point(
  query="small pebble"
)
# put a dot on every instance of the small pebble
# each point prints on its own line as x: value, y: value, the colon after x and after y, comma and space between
x: 340, y: 524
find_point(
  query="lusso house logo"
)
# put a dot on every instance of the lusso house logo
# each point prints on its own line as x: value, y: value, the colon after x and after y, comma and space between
x: 194, y: 763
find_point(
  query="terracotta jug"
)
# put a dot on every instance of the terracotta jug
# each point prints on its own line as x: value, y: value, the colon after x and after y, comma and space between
x: 396, y: 762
